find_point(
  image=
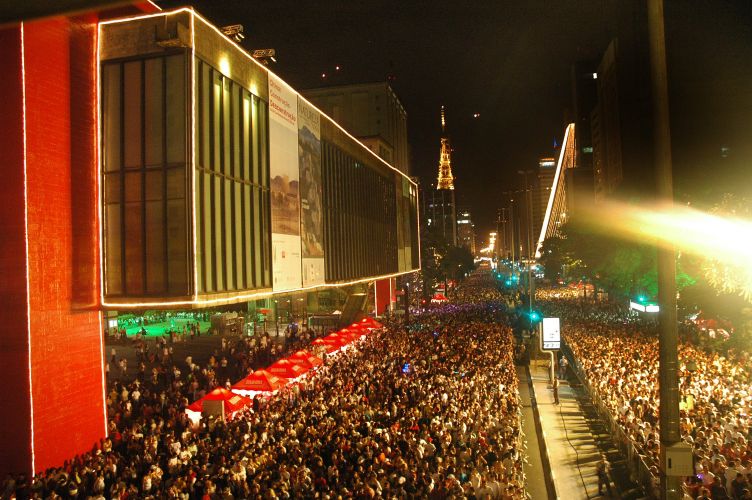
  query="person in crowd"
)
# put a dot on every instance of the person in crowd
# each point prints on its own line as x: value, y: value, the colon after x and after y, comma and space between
x: 358, y: 427
x: 617, y: 354
x: 603, y: 470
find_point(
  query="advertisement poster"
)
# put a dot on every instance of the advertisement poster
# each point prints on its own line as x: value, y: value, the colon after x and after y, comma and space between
x: 284, y: 172
x: 311, y: 195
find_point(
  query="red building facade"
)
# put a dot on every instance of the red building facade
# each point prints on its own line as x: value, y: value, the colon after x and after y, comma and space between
x: 51, y: 345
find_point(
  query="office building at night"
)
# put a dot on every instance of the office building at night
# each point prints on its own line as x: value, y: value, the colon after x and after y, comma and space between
x: 373, y: 113
x: 466, y: 231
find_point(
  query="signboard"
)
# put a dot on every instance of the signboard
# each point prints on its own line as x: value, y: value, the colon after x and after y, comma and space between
x: 551, y: 333
x: 311, y: 194
x: 651, y: 308
x: 636, y: 306
x: 284, y: 174
x: 264, y: 53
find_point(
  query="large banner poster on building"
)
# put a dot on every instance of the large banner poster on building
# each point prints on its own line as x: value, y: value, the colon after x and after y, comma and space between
x: 283, y: 158
x: 311, y: 212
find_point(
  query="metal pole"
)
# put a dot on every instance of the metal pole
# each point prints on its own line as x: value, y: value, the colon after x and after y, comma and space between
x: 406, y: 290
x: 529, y: 200
x: 668, y: 358
x: 511, y: 220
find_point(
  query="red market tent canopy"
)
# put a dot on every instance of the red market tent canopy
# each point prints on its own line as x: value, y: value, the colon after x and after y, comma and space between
x: 342, y: 339
x: 370, y: 323
x: 329, y: 345
x: 439, y: 297
x: 352, y: 334
x: 233, y: 402
x: 306, y: 359
x: 285, y: 368
x: 260, y: 381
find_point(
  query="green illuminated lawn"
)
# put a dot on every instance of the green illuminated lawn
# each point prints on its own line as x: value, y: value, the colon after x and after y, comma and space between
x: 158, y: 329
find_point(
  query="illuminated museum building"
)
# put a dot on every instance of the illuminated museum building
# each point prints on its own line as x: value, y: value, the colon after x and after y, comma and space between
x: 153, y: 164
x: 203, y: 197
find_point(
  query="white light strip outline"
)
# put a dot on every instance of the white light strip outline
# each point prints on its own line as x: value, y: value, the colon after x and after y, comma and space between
x: 100, y: 169
x: 155, y: 5
x: 100, y: 225
x: 145, y: 16
x: 241, y: 298
x: 194, y: 202
x: 249, y: 296
x: 551, y: 196
x: 26, y: 243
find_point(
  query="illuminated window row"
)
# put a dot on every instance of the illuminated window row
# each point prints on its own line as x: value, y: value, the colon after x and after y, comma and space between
x: 232, y: 172
x: 360, y: 237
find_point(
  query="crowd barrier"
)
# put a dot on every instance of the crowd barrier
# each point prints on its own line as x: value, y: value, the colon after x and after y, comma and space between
x: 639, y: 465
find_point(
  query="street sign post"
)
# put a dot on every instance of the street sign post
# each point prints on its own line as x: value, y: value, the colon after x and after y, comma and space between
x: 551, y: 334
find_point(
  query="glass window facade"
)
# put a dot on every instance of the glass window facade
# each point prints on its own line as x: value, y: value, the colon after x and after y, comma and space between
x: 144, y: 177
x: 185, y: 148
x: 360, y: 237
x: 232, y: 184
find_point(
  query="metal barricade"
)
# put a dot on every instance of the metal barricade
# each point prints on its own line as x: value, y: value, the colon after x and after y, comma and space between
x: 637, y: 462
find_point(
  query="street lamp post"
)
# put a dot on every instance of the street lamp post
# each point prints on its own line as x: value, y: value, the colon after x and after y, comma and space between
x: 668, y: 336
x: 528, y: 227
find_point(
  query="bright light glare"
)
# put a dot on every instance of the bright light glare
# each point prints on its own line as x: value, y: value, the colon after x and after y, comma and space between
x: 224, y: 66
x: 725, y: 240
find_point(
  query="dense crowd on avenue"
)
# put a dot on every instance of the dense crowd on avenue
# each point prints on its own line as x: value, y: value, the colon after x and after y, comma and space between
x: 427, y: 409
x: 618, y: 353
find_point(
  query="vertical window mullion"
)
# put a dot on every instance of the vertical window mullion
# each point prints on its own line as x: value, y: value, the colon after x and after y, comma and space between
x: 123, y: 262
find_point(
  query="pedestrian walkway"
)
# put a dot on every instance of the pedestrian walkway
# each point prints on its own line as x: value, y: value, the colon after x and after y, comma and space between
x: 573, y: 439
x: 572, y: 450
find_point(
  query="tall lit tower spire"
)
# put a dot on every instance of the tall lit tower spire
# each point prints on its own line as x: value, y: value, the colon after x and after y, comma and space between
x: 446, y: 180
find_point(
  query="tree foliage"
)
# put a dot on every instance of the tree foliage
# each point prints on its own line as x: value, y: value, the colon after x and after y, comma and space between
x: 441, y: 261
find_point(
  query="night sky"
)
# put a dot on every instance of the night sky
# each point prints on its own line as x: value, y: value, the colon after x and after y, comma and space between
x: 510, y: 61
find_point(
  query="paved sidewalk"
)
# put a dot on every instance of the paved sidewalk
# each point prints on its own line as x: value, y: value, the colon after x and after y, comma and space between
x: 572, y: 450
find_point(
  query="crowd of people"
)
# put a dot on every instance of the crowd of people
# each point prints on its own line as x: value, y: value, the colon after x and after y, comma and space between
x: 428, y: 409
x: 618, y: 353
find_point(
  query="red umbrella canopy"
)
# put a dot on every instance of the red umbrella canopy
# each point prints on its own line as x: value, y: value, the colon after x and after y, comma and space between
x: 261, y: 381
x: 287, y: 369
x: 306, y: 359
x: 233, y: 402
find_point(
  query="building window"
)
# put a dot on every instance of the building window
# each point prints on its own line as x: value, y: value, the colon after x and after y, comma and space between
x: 233, y: 199
x: 358, y: 204
x: 144, y: 170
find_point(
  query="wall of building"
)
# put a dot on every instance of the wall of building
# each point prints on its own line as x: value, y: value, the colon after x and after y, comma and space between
x: 15, y: 433
x: 53, y: 365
